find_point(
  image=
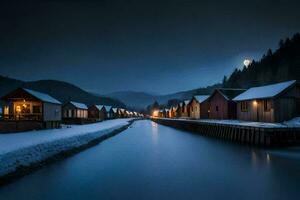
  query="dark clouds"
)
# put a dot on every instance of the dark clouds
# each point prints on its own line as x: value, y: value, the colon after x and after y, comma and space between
x: 156, y: 46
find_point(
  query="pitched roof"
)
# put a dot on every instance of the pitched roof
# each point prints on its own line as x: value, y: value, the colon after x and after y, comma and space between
x: 42, y: 96
x: 79, y: 105
x: 201, y: 98
x: 115, y: 110
x: 187, y: 102
x: 230, y: 93
x: 107, y: 108
x: 262, y: 92
x: 99, y: 107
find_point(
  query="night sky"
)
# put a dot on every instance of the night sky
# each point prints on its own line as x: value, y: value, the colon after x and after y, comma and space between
x: 152, y: 46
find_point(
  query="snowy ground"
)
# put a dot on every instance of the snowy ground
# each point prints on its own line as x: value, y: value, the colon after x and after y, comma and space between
x: 26, y: 148
x: 292, y: 123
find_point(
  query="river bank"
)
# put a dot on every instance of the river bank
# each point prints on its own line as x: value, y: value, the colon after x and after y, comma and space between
x: 22, y: 153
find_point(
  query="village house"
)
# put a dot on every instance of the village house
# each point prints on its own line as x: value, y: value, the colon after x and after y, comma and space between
x: 115, y: 113
x: 221, y: 105
x: 185, y: 110
x: 97, y: 112
x: 199, y: 107
x: 173, y: 112
x: 109, y: 112
x: 167, y: 113
x: 74, y: 112
x: 25, y: 109
x: 179, y: 109
x: 269, y: 103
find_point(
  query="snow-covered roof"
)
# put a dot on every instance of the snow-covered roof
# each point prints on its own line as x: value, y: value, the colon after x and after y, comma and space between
x: 79, y: 105
x: 201, y: 98
x: 99, y: 107
x: 186, y: 102
x: 107, y: 108
x: 115, y: 110
x: 230, y: 93
x: 42, y: 96
x: 180, y: 104
x: 262, y: 92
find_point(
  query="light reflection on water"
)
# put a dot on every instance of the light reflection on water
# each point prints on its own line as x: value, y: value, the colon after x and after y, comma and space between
x: 150, y: 161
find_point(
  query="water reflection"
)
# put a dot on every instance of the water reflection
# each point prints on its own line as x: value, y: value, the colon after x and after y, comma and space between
x: 150, y: 161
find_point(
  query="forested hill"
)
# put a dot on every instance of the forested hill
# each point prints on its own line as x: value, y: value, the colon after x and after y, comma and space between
x: 282, y: 65
x: 60, y: 90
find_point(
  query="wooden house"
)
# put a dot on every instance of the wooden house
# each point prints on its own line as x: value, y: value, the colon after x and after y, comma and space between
x: 122, y: 113
x: 29, y: 109
x: 109, y: 112
x: 75, y: 113
x: 97, y: 112
x: 167, y: 113
x: 115, y: 113
x: 185, y: 113
x: 199, y: 107
x: 269, y: 103
x: 173, y: 111
x: 221, y: 105
x: 180, y: 107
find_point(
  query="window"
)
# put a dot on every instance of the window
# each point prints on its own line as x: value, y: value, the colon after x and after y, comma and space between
x: 267, y: 105
x: 217, y: 108
x: 36, y: 109
x: 244, y: 106
x: 6, y: 110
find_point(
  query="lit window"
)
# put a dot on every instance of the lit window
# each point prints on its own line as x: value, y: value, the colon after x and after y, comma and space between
x: 244, y: 106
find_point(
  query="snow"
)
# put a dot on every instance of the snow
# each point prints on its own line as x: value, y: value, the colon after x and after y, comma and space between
x: 107, y: 108
x: 234, y: 122
x: 23, y: 149
x: 42, y: 96
x: 115, y: 110
x: 99, y: 107
x: 262, y: 92
x: 293, y: 122
x: 201, y: 98
x: 186, y: 102
x: 79, y: 105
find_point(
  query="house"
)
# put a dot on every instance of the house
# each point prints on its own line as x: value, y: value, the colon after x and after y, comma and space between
x: 221, y: 104
x: 75, y: 113
x: 115, y: 113
x: 109, y: 112
x: 185, y: 112
x: 270, y: 103
x: 167, y: 113
x: 180, y: 107
x: 26, y: 109
x: 122, y: 112
x: 199, y: 107
x: 97, y: 112
x: 173, y: 111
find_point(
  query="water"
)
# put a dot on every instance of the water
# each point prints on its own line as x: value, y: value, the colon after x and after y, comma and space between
x: 151, y: 161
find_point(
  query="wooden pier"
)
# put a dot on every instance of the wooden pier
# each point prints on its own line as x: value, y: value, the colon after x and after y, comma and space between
x: 260, y: 136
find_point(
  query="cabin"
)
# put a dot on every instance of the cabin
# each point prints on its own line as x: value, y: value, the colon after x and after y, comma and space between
x: 115, y: 113
x: 185, y: 110
x: 173, y: 111
x: 179, y: 109
x: 109, y: 112
x: 97, y: 112
x: 26, y: 109
x: 221, y: 104
x: 122, y: 113
x: 167, y: 113
x: 75, y: 113
x: 270, y: 103
x: 199, y: 107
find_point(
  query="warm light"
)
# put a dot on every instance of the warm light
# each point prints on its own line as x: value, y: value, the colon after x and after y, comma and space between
x: 254, y: 103
x: 155, y: 113
x: 18, y: 109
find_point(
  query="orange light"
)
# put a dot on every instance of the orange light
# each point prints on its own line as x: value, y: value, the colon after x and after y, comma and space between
x: 155, y: 113
x: 18, y: 109
x: 254, y: 103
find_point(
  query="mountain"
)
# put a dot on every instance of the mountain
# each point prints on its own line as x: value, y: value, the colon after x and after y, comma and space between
x: 60, y: 90
x: 282, y: 65
x: 140, y: 100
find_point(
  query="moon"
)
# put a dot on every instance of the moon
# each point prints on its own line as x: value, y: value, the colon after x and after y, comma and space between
x: 247, y: 62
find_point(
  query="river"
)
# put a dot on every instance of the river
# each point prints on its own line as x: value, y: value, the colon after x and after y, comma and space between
x: 151, y: 161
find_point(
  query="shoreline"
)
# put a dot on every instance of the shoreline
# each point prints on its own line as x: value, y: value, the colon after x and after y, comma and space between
x: 23, y: 170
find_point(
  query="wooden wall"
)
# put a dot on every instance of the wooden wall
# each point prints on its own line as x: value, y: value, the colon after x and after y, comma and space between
x: 217, y: 100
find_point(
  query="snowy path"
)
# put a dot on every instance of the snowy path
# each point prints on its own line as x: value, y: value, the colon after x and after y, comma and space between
x: 26, y: 148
